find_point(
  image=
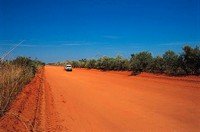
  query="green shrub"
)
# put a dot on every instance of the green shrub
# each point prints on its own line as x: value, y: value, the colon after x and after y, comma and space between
x: 157, y: 65
x: 90, y: 64
x: 120, y: 64
x: 104, y: 63
x: 28, y: 63
x: 75, y: 64
x: 172, y: 65
x: 141, y: 62
x: 187, y: 63
x: 190, y: 60
x: 14, y: 75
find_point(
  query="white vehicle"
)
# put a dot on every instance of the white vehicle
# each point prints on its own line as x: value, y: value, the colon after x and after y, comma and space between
x: 68, y: 67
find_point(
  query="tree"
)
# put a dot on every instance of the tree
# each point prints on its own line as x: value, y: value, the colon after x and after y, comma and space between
x: 187, y: 63
x: 75, y: 64
x: 190, y: 60
x: 90, y: 64
x: 172, y: 65
x: 120, y: 63
x: 82, y: 63
x: 103, y: 63
x: 157, y: 65
x: 141, y: 62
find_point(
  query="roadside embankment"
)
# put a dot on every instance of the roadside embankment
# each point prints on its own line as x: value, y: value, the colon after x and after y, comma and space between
x: 23, y: 113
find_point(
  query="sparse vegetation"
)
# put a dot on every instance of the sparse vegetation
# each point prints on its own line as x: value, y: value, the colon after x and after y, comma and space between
x: 170, y: 63
x: 14, y: 75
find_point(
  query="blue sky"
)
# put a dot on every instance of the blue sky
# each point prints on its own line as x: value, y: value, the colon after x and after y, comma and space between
x: 57, y: 30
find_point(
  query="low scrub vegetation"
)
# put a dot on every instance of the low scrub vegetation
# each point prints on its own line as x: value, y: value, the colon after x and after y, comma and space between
x: 14, y: 75
x: 170, y: 63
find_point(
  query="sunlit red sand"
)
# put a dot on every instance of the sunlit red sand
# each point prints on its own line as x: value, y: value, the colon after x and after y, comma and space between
x: 91, y: 100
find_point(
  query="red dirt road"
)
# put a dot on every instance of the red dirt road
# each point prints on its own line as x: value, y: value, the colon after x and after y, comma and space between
x: 91, y: 100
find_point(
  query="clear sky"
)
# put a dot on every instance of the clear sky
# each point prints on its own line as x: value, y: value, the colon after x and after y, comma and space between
x: 57, y: 30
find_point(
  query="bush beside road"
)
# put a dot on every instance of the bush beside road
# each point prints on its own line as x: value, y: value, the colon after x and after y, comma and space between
x: 170, y: 63
x: 14, y: 75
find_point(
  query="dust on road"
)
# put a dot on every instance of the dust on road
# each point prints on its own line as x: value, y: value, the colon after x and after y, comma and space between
x: 91, y: 100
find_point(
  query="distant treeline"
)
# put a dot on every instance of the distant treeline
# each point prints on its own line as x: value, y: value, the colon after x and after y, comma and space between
x: 170, y: 63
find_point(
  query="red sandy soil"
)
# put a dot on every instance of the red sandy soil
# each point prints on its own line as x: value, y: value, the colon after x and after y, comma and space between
x: 24, y: 112
x: 92, y: 100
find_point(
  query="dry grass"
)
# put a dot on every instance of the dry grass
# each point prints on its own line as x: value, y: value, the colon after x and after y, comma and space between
x: 12, y: 79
